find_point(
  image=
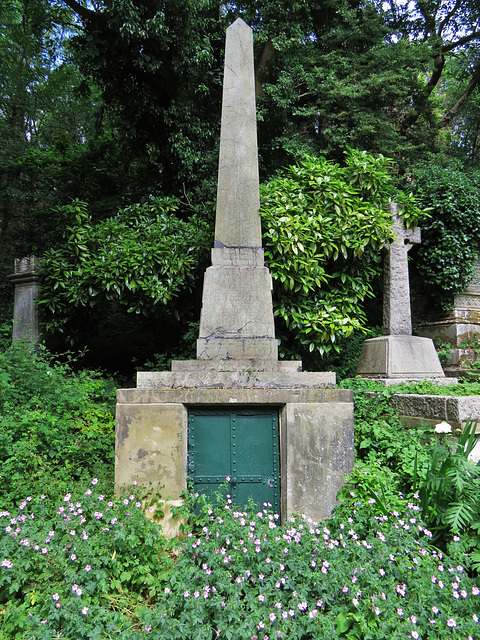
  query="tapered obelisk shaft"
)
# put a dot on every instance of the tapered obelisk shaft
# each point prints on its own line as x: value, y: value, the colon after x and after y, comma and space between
x: 236, y: 322
x: 237, y: 222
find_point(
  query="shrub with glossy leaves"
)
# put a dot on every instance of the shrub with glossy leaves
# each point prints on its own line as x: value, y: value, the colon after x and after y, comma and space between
x: 324, y: 229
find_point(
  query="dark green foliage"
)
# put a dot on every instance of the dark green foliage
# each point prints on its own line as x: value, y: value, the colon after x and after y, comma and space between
x: 54, y: 424
x: 134, y: 273
x: 451, y: 236
x: 383, y: 443
x: 343, y: 362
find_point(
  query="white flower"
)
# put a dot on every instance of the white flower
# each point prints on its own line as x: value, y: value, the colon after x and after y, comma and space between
x: 443, y: 427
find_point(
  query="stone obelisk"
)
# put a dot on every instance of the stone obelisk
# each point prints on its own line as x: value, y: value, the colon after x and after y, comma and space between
x: 237, y: 371
x: 237, y: 317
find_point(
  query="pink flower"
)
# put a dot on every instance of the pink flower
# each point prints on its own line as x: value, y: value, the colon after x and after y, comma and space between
x: 451, y: 623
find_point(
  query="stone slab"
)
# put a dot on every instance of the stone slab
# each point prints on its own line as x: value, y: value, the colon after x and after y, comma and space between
x: 233, y: 379
x: 238, y: 257
x: 318, y: 455
x: 388, y: 382
x: 252, y: 364
x: 230, y: 396
x: 218, y: 347
x: 456, y: 410
x: 399, y: 357
x: 151, y: 447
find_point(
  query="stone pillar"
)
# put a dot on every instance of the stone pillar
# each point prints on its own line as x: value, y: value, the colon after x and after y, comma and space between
x: 236, y: 322
x: 398, y: 355
x: 460, y: 327
x: 27, y: 287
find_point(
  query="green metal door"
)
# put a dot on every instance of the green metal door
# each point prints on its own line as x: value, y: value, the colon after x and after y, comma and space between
x: 241, y: 444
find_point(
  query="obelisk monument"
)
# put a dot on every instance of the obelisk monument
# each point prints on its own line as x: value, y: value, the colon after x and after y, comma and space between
x: 237, y: 316
x: 236, y: 411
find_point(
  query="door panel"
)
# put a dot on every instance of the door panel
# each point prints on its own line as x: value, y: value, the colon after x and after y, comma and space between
x: 243, y: 445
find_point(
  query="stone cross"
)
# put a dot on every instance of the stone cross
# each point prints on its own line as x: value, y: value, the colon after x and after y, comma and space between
x: 397, y: 318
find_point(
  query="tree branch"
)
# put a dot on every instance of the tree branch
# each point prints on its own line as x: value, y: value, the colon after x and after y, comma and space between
x: 83, y: 12
x: 448, y: 16
x: 457, y: 107
x: 453, y: 45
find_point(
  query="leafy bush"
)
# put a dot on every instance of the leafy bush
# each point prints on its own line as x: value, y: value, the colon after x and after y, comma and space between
x: 324, y: 228
x: 139, y: 260
x: 53, y: 424
x: 450, y: 237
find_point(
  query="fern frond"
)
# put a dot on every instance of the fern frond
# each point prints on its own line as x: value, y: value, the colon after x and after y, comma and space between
x: 459, y: 516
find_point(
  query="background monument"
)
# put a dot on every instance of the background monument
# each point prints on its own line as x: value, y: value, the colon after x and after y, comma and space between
x: 398, y: 354
x: 280, y: 435
x: 25, y: 311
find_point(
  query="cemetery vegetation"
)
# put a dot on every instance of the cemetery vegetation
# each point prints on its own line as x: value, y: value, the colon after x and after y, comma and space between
x: 77, y: 562
x: 114, y: 103
x: 443, y: 263
x: 325, y: 225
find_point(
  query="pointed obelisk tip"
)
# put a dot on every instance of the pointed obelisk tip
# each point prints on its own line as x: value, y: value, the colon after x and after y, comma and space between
x: 239, y: 24
x: 237, y: 222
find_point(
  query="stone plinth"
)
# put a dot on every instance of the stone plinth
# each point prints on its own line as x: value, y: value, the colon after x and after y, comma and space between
x: 461, y: 326
x: 316, y: 431
x: 407, y: 357
x: 27, y: 287
x: 236, y: 321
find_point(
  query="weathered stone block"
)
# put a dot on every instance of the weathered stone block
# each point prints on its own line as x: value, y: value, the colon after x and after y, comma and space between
x: 151, y: 447
x: 399, y: 357
x: 319, y: 453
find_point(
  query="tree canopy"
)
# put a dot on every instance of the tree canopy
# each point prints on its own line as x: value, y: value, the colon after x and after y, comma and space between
x: 114, y: 102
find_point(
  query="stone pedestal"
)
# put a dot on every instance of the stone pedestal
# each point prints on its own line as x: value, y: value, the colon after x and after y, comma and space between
x: 236, y: 322
x: 408, y: 357
x: 459, y: 328
x: 316, y: 433
x: 27, y: 287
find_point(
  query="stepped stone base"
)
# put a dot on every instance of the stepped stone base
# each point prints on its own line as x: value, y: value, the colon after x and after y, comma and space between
x: 408, y: 357
x: 316, y: 430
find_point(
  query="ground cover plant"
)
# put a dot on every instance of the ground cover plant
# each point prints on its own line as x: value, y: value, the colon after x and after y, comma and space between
x: 89, y: 567
x: 78, y: 563
x: 54, y: 423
